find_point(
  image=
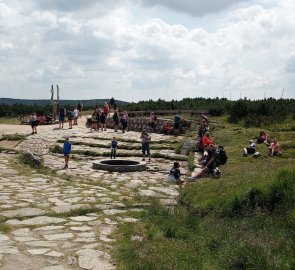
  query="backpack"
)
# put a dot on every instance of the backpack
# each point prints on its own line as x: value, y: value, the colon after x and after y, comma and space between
x: 221, y: 155
x: 155, y: 118
x: 71, y: 114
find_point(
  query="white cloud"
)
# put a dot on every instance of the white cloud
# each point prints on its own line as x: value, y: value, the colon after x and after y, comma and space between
x: 115, y: 52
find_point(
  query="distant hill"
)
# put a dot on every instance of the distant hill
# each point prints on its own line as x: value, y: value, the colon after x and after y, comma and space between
x: 44, y: 102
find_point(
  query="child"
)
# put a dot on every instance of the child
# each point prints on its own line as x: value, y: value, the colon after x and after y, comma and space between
x: 67, y: 150
x: 251, y: 149
x: 174, y: 174
x: 145, y: 139
x: 274, y: 150
x: 114, y: 145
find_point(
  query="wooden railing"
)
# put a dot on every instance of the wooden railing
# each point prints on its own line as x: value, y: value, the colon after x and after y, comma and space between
x: 167, y: 112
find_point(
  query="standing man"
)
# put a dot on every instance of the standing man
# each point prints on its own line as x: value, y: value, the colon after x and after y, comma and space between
x: 62, y: 113
x: 176, y: 125
x: 79, y: 107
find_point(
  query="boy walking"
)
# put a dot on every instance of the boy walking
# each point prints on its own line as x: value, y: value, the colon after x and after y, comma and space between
x: 114, y: 145
x: 67, y: 150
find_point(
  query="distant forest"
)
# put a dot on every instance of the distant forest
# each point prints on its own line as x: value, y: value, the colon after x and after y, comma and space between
x: 252, y: 112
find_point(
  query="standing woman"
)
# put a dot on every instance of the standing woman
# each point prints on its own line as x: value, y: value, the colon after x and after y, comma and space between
x: 103, y: 121
x: 145, y: 142
x: 125, y: 117
x: 116, y: 120
x: 34, y: 123
x: 123, y: 122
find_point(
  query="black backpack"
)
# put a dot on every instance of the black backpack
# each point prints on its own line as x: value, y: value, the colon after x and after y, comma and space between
x: 221, y: 155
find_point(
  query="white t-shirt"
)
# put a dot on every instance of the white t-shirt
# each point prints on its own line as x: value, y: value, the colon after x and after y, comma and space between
x: 76, y: 112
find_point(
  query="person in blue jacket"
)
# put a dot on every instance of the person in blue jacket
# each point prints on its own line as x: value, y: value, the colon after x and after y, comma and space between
x: 67, y: 150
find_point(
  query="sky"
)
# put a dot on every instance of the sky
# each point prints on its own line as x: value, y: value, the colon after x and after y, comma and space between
x: 145, y: 49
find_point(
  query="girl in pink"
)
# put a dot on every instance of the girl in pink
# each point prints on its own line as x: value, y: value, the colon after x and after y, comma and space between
x: 274, y: 150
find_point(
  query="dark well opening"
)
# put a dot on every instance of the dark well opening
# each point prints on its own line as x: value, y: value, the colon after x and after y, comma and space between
x: 119, y: 162
x: 119, y: 165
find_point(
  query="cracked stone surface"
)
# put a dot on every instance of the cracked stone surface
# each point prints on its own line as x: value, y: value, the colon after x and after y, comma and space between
x: 67, y: 219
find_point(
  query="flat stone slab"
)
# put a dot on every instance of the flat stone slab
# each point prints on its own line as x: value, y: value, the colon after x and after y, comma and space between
x: 21, y: 232
x: 49, y: 228
x: 83, y: 218
x: 4, y: 238
x: 67, y: 208
x: 24, y: 212
x: 81, y: 229
x: 94, y: 260
x: 8, y: 250
x: 57, y: 267
x: 41, y: 244
x: 42, y: 220
x: 38, y: 251
x: 59, y: 236
x: 54, y: 254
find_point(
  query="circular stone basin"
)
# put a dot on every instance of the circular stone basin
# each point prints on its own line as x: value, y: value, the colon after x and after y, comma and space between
x: 119, y: 165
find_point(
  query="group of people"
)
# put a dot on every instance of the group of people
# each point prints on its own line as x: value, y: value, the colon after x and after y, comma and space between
x: 99, y: 116
x: 213, y: 156
x: 72, y: 115
x: 145, y: 143
x: 272, y: 145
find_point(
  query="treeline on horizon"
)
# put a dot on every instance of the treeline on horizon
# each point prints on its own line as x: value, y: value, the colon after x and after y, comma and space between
x: 252, y: 112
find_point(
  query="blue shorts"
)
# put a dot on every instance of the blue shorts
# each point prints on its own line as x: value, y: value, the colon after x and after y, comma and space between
x: 61, y: 118
x: 146, y: 148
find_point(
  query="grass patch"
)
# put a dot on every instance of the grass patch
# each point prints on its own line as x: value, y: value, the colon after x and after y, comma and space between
x: 249, y: 220
x: 4, y: 228
x: 175, y: 239
x: 9, y: 121
x: 13, y: 137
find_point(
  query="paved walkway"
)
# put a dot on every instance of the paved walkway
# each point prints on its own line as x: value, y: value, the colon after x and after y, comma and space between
x: 66, y: 220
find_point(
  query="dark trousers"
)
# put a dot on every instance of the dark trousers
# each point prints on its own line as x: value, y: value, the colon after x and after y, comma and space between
x: 113, y: 153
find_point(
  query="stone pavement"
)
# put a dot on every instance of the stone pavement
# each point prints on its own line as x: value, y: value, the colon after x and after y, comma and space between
x: 67, y: 219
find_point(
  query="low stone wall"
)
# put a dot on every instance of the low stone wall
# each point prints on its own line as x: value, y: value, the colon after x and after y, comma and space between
x: 137, y: 124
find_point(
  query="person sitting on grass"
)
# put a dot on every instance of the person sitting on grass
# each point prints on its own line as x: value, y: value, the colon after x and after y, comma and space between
x: 174, y: 174
x: 250, y: 149
x: 274, y: 149
x: 202, y: 128
x: 207, y: 140
x: 263, y: 138
x: 210, y: 164
x: 145, y: 139
x: 67, y: 150
x: 114, y: 146
x: 167, y: 127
